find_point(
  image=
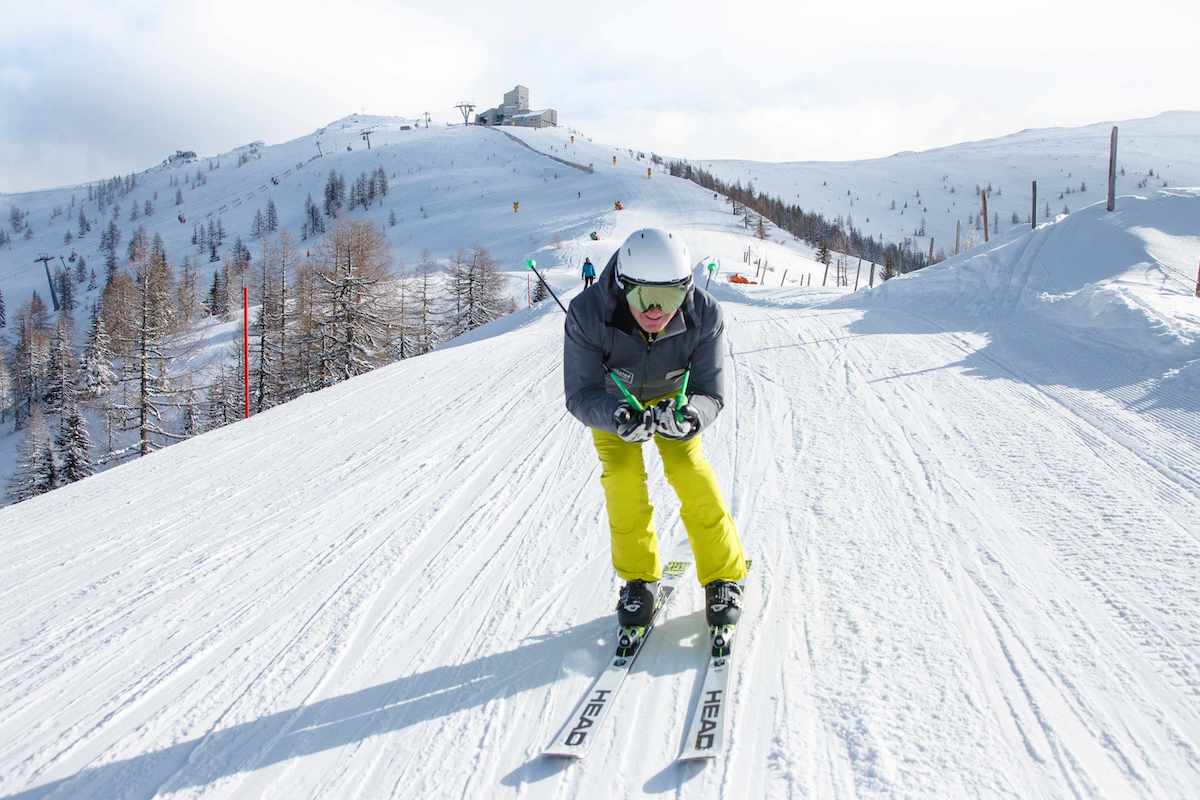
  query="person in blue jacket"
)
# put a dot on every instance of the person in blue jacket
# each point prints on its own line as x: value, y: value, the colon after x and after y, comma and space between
x: 589, y: 272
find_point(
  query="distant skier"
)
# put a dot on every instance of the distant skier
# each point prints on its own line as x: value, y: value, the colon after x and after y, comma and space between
x: 646, y: 326
x: 589, y: 272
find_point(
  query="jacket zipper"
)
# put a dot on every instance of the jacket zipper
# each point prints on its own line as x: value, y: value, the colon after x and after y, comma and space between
x: 645, y: 368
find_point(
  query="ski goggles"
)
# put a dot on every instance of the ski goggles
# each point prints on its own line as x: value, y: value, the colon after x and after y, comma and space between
x: 644, y: 296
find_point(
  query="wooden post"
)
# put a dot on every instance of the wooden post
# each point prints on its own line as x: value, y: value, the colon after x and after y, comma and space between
x: 1112, y: 170
x: 872, y: 284
x: 985, y: 219
x: 1198, y: 281
x: 783, y: 280
x: 824, y: 279
x: 1033, y: 214
x: 858, y: 274
x: 957, y: 231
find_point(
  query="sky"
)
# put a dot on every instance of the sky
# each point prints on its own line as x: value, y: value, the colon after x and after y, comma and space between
x: 90, y: 90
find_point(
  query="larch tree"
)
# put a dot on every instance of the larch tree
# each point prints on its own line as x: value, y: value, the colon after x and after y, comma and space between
x: 144, y: 352
x: 353, y: 273
x: 475, y: 290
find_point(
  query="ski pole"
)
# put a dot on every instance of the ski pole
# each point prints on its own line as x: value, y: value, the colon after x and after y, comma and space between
x: 681, y: 398
x: 712, y: 268
x: 629, y: 398
x: 533, y: 266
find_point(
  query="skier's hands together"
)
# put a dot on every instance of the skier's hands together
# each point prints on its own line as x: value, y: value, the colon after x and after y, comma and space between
x: 667, y: 425
x: 634, y: 426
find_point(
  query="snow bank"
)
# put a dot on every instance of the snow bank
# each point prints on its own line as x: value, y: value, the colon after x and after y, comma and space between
x: 1125, y: 278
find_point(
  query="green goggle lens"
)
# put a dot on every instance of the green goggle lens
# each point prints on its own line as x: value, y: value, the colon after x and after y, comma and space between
x: 668, y: 298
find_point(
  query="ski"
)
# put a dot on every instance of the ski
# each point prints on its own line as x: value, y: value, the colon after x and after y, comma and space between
x: 580, y: 729
x: 706, y: 734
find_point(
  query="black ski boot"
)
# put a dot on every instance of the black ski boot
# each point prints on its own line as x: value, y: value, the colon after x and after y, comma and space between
x: 635, y: 608
x: 722, y: 603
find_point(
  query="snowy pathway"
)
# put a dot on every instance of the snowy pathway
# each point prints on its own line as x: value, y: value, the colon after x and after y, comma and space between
x: 964, y: 586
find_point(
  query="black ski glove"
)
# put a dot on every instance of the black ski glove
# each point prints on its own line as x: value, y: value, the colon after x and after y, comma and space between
x: 634, y: 426
x: 668, y: 426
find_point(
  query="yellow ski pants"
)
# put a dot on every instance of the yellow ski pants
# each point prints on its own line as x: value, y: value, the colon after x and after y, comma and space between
x: 710, y: 529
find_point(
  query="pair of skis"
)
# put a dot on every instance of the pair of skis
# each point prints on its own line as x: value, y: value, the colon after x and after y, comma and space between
x: 706, y: 732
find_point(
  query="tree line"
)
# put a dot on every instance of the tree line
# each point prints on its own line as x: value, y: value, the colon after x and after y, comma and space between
x: 810, y: 226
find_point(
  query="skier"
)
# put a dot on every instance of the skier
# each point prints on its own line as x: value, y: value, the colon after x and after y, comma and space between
x: 646, y: 326
x: 589, y: 272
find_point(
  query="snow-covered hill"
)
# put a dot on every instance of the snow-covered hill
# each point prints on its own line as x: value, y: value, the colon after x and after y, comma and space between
x: 974, y: 534
x: 1069, y: 164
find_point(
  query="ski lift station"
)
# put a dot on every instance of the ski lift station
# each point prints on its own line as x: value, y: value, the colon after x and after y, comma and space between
x: 515, y: 110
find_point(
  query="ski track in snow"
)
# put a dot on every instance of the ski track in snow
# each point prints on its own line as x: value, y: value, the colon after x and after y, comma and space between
x: 966, y: 582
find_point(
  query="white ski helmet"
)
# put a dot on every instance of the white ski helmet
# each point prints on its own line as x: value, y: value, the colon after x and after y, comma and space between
x: 652, y: 256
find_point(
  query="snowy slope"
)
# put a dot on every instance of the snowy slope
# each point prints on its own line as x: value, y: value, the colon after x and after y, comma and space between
x: 975, y: 568
x: 1061, y: 160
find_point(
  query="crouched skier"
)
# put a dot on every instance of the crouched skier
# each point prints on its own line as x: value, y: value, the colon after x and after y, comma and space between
x: 647, y: 327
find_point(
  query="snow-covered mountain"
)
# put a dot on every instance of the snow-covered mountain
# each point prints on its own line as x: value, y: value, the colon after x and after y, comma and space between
x: 892, y: 198
x: 450, y: 188
x: 970, y: 495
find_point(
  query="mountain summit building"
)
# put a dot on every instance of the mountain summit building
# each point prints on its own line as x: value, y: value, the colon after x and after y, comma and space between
x: 515, y: 111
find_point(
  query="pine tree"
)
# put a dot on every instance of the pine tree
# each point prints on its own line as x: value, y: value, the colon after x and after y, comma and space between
x: 96, y: 374
x: 193, y: 420
x: 75, y: 445
x: 35, y: 469
x: 333, y: 193
x: 60, y: 378
x: 3, y: 314
x: 272, y: 220
x: 139, y: 245
x: 6, y: 391
x: 187, y: 298
x: 256, y: 228
x: 218, y: 294
x: 823, y: 254
x: 66, y: 290
x: 179, y: 199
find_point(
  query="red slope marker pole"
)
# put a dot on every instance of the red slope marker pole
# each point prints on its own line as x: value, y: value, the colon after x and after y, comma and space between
x: 246, y: 346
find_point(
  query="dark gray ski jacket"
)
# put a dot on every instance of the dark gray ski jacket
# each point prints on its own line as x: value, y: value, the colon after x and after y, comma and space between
x: 601, y: 334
